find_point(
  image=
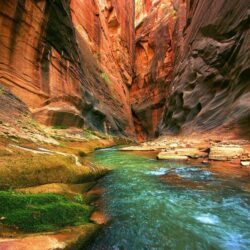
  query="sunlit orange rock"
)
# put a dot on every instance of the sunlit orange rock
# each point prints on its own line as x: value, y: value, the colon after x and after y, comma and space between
x: 153, y: 65
x: 71, y: 64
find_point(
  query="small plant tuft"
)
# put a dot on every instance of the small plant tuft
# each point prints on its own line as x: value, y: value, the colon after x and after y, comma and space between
x: 105, y: 77
x: 60, y: 127
x: 78, y: 198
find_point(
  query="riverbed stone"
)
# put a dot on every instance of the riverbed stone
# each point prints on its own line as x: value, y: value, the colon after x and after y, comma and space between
x: 226, y: 152
x: 182, y: 153
x: 167, y: 156
x: 72, y: 238
x: 69, y: 190
x: 245, y: 163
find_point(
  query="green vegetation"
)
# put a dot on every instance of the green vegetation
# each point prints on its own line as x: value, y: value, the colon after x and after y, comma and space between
x: 60, y: 127
x: 1, y: 91
x: 78, y: 198
x: 105, y: 77
x: 91, y: 134
x: 41, y: 212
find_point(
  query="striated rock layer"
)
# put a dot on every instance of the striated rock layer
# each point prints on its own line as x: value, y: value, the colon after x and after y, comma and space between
x: 153, y: 64
x: 211, y: 83
x: 70, y: 61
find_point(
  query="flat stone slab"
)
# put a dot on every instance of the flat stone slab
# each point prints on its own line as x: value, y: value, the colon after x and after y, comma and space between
x: 142, y: 148
x: 225, y: 153
x: 167, y: 156
x: 71, y: 238
x: 182, y: 154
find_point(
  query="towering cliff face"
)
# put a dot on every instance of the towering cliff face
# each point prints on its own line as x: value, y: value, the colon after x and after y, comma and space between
x: 79, y: 63
x: 70, y: 61
x: 211, y: 83
x: 153, y: 64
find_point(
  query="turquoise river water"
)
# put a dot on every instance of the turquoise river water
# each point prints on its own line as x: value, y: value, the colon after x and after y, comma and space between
x: 147, y: 211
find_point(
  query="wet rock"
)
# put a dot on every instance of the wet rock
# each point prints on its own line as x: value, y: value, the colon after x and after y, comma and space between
x: 193, y: 153
x: 173, y: 145
x: 27, y: 169
x: 143, y: 148
x: 99, y: 217
x: 168, y: 156
x: 205, y: 162
x: 71, y: 238
x: 69, y: 190
x: 245, y: 163
x: 225, y: 153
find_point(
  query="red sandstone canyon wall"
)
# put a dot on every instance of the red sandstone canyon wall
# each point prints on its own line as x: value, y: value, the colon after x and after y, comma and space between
x: 71, y: 62
x: 184, y: 67
x: 211, y: 80
x: 153, y: 65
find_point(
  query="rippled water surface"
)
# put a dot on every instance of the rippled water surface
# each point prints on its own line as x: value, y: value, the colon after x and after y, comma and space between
x: 149, y: 213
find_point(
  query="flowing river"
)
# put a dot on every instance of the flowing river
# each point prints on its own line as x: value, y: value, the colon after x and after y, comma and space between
x: 148, y: 211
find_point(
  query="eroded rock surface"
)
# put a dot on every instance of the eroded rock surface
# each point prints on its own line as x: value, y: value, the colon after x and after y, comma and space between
x: 212, y: 65
x: 153, y: 64
x: 70, y: 61
x: 226, y: 152
x: 71, y: 238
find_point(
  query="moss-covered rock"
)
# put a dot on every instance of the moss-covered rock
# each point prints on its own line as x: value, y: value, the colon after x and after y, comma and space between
x: 41, y: 212
x: 69, y: 190
x: 26, y: 170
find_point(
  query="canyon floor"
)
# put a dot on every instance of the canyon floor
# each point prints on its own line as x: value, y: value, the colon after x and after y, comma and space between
x: 38, y: 160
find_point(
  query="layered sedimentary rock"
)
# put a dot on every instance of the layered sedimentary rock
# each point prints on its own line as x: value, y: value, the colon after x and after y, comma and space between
x: 70, y: 61
x: 211, y: 83
x: 153, y: 64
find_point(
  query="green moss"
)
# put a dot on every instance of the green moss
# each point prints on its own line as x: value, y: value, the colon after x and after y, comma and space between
x: 60, y: 127
x: 91, y: 134
x: 2, y: 91
x: 78, y: 198
x: 25, y: 170
x: 105, y: 77
x: 41, y: 212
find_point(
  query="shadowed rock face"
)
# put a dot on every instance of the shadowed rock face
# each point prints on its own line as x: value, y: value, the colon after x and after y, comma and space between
x: 211, y: 83
x: 153, y: 64
x: 70, y: 61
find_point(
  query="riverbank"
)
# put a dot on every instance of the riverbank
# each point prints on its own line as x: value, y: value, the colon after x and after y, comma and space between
x: 44, y: 183
x: 228, y: 156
